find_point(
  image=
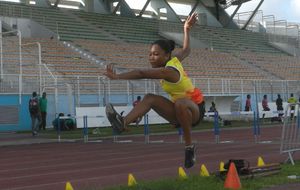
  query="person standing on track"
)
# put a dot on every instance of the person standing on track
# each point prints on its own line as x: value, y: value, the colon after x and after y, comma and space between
x: 186, y: 107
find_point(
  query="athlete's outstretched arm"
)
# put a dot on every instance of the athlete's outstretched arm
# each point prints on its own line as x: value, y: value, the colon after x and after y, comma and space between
x: 168, y: 74
x: 189, y: 23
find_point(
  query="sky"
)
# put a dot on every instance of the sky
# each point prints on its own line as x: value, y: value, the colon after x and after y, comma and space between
x: 282, y: 9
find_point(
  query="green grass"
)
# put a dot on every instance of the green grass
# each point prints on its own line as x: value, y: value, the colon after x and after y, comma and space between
x: 153, y: 129
x: 215, y: 183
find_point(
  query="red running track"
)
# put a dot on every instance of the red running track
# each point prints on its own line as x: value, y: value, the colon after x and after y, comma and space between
x: 49, y: 166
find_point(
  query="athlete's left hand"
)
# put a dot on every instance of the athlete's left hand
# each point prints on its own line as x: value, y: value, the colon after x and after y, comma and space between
x: 110, y: 73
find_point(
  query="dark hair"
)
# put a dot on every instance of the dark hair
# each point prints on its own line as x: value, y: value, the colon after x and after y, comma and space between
x: 292, y: 95
x: 248, y: 96
x: 139, y: 97
x: 265, y: 96
x: 34, y: 94
x: 167, y: 45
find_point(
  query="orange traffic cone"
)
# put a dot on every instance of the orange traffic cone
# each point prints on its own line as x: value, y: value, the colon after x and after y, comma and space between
x: 232, y: 179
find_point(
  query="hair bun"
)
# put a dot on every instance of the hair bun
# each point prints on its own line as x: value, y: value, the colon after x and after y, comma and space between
x: 167, y: 45
x: 172, y: 44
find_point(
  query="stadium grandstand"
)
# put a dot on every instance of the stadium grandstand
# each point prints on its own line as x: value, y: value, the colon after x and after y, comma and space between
x: 62, y: 47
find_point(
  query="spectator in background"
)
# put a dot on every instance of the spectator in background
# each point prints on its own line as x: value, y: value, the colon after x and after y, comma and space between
x: 265, y: 105
x: 248, y: 103
x: 213, y: 107
x: 43, y: 106
x: 136, y: 102
x: 61, y: 122
x: 292, y: 100
x: 35, y: 114
x: 214, y: 110
x: 279, y: 106
x: 70, y: 122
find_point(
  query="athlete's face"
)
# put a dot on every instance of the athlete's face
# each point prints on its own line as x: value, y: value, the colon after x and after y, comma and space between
x: 158, y: 57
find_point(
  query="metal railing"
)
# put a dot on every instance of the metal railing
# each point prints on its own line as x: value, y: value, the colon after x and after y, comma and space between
x: 280, y: 31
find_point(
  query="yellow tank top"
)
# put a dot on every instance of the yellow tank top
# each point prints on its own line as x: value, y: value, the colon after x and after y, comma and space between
x: 184, y: 87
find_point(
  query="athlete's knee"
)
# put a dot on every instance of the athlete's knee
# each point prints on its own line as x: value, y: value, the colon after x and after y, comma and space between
x: 149, y: 97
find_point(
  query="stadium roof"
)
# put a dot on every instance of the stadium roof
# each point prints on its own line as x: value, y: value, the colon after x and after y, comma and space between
x: 76, y: 4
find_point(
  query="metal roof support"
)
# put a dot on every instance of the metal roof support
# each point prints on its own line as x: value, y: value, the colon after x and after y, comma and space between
x: 233, y: 14
x: 253, y: 14
x: 171, y: 14
x: 56, y: 3
x: 194, y: 8
x: 124, y: 9
x: 217, y: 9
x: 117, y: 7
x: 144, y: 8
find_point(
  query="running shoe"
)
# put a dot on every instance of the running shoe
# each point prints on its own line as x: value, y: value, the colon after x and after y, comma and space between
x: 115, y: 119
x: 190, y: 157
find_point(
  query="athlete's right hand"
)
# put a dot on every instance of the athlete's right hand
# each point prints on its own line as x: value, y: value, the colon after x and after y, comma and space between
x: 110, y: 73
x: 190, y: 21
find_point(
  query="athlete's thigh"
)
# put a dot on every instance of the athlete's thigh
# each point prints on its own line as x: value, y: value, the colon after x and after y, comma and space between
x: 164, y: 107
x: 193, y: 107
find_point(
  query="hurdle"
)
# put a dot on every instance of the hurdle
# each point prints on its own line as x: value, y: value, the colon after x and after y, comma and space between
x: 216, y: 127
x: 84, y: 129
x: 147, y: 131
x: 116, y: 137
x: 216, y: 124
x: 290, y: 136
x: 256, y: 127
x: 116, y: 140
